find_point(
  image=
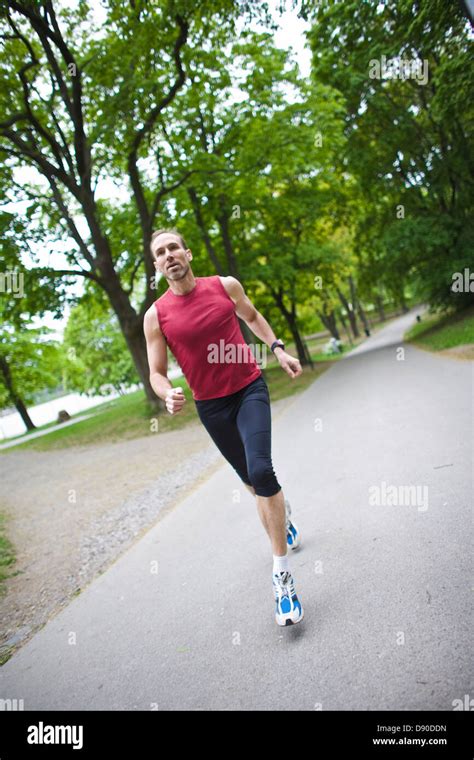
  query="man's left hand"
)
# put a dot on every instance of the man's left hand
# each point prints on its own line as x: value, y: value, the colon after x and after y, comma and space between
x: 287, y: 362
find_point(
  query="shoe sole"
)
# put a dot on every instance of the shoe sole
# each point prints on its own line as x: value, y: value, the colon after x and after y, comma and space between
x: 297, y: 543
x: 291, y: 622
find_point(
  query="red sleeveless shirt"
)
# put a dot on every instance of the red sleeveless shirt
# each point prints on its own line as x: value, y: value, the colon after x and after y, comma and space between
x: 203, y: 333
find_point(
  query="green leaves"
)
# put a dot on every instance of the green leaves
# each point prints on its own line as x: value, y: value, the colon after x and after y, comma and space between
x: 407, y: 140
x: 94, y: 352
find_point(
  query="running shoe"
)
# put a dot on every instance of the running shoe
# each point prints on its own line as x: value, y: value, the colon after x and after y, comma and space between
x: 292, y: 533
x: 288, y: 608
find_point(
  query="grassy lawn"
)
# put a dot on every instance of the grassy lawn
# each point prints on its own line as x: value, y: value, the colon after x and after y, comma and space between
x: 7, y: 556
x: 130, y: 417
x: 440, y: 331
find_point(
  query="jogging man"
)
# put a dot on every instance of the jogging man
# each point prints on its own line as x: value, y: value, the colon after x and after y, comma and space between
x: 197, y: 318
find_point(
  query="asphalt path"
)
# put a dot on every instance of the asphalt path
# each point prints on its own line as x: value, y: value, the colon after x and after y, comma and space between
x: 376, y: 459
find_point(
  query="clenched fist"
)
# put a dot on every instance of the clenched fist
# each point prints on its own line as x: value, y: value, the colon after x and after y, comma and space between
x: 291, y: 365
x: 174, y: 400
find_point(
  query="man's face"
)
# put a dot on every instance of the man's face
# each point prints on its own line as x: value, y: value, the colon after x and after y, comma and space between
x: 170, y: 258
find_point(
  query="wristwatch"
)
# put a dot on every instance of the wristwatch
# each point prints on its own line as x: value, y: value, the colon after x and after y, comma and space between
x: 277, y: 344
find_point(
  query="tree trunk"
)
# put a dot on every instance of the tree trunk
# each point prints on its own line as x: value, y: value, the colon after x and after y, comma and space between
x: 291, y: 321
x: 136, y: 343
x: 363, y: 318
x: 403, y: 303
x: 344, y: 324
x: 357, y: 306
x: 131, y: 325
x: 308, y: 355
x: 329, y: 322
x: 23, y: 412
x: 350, y: 313
x: 15, y: 398
x: 73, y: 164
x: 299, y: 343
x: 379, y: 304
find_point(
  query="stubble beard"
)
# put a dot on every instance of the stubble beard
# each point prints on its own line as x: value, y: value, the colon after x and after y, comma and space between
x: 179, y: 274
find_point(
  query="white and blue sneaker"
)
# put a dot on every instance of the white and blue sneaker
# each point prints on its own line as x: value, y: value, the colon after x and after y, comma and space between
x: 292, y: 533
x: 288, y: 608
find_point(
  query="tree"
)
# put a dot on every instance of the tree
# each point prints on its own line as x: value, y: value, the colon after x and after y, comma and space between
x: 255, y: 209
x: 409, y: 132
x: 28, y: 362
x: 94, y: 350
x: 81, y: 102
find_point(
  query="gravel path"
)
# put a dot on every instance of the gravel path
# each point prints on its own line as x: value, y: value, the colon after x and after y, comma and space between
x: 71, y: 513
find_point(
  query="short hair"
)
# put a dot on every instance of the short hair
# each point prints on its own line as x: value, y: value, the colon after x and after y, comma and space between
x: 172, y: 232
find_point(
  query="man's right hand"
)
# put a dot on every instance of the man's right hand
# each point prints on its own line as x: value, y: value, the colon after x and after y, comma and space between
x: 174, y: 400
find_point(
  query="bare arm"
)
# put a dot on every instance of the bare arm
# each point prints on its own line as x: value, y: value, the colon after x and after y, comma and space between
x: 245, y: 309
x: 158, y: 363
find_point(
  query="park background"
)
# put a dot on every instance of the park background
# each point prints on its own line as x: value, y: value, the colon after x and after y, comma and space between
x: 320, y: 152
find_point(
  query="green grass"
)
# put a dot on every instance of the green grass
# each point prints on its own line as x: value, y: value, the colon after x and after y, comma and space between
x: 131, y: 417
x: 7, y: 556
x: 5, y: 655
x: 440, y: 331
x: 123, y: 418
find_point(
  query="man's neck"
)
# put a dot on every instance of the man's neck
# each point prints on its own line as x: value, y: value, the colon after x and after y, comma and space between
x: 184, y: 286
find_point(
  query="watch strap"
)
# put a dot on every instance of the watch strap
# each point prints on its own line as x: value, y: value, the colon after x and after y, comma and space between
x: 276, y: 344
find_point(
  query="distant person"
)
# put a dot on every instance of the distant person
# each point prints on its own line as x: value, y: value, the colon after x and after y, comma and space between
x: 333, y: 346
x: 193, y: 317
